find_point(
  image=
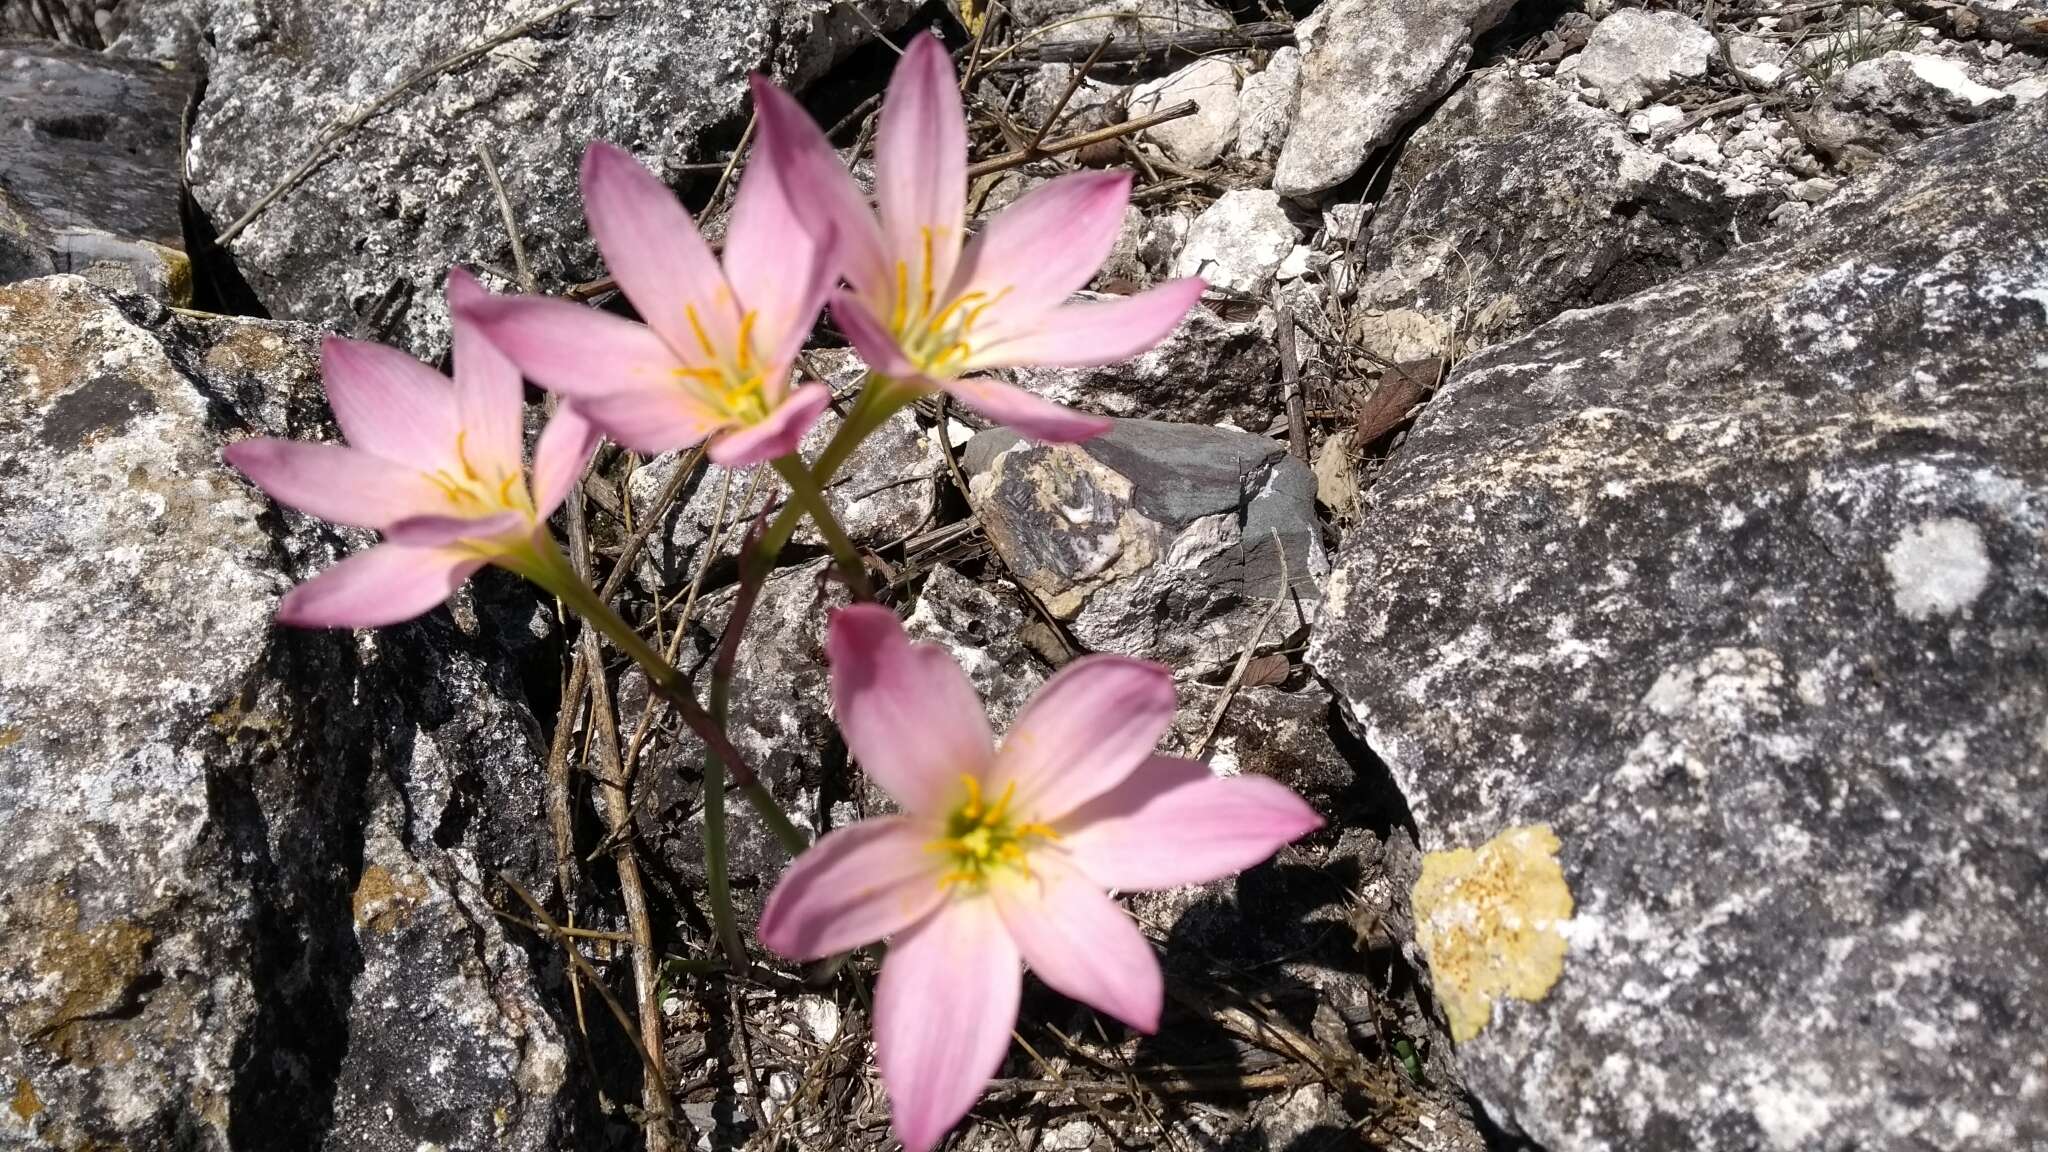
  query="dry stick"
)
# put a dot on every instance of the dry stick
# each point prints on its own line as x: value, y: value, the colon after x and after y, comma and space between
x: 1290, y: 386
x: 1200, y: 747
x: 2019, y: 27
x: 1159, y: 1085
x: 519, y: 265
x: 1059, y: 106
x: 1009, y: 160
x: 340, y: 128
x: 655, y: 1079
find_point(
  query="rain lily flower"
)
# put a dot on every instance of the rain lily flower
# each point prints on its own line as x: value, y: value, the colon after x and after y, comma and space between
x: 433, y: 464
x: 925, y: 310
x: 713, y: 359
x: 1001, y: 856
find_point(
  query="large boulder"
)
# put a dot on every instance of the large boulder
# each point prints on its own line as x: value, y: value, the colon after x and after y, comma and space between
x: 1517, y: 201
x: 364, y: 241
x: 243, y: 890
x: 1708, y: 628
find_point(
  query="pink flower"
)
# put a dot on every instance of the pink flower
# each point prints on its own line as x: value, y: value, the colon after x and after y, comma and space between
x: 436, y: 466
x: 923, y: 309
x: 713, y: 359
x: 1001, y: 856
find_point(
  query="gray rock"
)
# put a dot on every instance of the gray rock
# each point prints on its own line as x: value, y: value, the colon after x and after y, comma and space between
x: 1371, y: 67
x: 1088, y: 21
x: 1154, y: 540
x: 1880, y: 105
x: 1265, y: 107
x: 1201, y: 139
x: 1736, y: 588
x: 242, y: 894
x: 89, y: 170
x: 1634, y: 56
x: 1516, y: 202
x: 1238, y: 242
x: 1211, y: 369
x: 363, y: 243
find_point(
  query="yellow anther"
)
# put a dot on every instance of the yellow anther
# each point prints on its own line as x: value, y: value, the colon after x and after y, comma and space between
x: 981, y: 840
x: 746, y: 349
x: 697, y: 326
x: 929, y: 288
x: 899, y: 317
x: 462, y: 455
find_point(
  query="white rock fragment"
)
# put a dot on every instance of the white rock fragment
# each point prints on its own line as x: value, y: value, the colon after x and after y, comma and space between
x: 1265, y: 106
x: 1938, y: 567
x: 1654, y: 119
x: 1198, y: 140
x: 1949, y: 76
x: 1757, y: 60
x: 1813, y: 190
x: 1696, y: 148
x: 1634, y: 56
x: 1239, y: 241
x: 2028, y: 90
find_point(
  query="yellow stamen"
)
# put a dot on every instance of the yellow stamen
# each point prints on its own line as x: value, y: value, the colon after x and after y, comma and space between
x: 899, y: 318
x: 697, y: 326
x: 929, y: 287
x: 462, y: 454
x: 746, y: 351
x: 981, y: 840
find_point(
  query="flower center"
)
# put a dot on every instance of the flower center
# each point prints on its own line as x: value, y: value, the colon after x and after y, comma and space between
x: 936, y: 339
x: 983, y: 839
x: 472, y: 494
x: 733, y: 384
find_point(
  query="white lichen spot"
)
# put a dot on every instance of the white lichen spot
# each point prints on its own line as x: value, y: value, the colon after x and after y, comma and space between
x: 1937, y: 567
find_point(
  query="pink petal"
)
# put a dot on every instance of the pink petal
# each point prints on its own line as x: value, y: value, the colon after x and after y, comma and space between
x: 488, y: 391
x: 778, y: 435
x: 921, y: 166
x: 1078, y: 335
x: 944, y: 1009
x: 655, y: 252
x: 571, y: 349
x: 389, y: 403
x: 907, y: 711
x: 438, y: 530
x: 1033, y: 416
x: 1080, y: 943
x: 1173, y: 822
x: 1045, y: 247
x: 872, y: 338
x: 559, y: 458
x: 335, y: 483
x: 1094, y: 722
x: 780, y: 267
x: 651, y: 421
x: 384, y: 585
x: 820, y: 188
x: 853, y: 887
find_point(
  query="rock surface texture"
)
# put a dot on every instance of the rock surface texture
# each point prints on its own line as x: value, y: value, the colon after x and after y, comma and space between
x: 1634, y: 56
x: 242, y: 889
x: 1735, y: 592
x: 1880, y: 105
x: 364, y: 242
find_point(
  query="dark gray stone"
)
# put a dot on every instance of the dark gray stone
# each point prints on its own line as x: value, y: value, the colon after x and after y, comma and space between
x: 1881, y: 105
x: 364, y: 242
x: 1155, y: 540
x: 1517, y: 201
x: 1737, y: 586
x: 1211, y: 369
x: 89, y: 169
x: 243, y: 888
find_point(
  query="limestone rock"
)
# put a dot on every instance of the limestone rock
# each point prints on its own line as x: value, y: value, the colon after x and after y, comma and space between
x: 1882, y: 104
x: 1154, y: 540
x: 364, y: 242
x: 1736, y: 587
x: 1634, y: 56
x: 1238, y: 242
x: 1088, y: 21
x: 1265, y: 107
x: 1211, y: 369
x: 89, y: 170
x: 1372, y: 66
x: 1198, y: 140
x: 1516, y: 201
x: 243, y: 891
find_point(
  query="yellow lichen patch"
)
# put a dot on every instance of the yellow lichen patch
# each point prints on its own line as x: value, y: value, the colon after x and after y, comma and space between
x: 1491, y: 923
x: 383, y: 900
x: 10, y: 735
x: 82, y: 974
x: 25, y: 1103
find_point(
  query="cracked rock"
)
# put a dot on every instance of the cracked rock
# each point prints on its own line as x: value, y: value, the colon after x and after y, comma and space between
x: 1211, y: 369
x: 1239, y: 242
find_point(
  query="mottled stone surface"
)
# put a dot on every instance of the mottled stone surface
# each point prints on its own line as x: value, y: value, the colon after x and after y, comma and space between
x: 1371, y: 66
x: 365, y: 241
x: 1212, y: 369
x: 1155, y: 540
x: 1198, y: 140
x: 1634, y: 56
x: 242, y: 891
x: 1239, y: 242
x: 1738, y: 587
x: 1880, y: 105
x: 1088, y: 21
x: 89, y: 169
x: 1517, y: 201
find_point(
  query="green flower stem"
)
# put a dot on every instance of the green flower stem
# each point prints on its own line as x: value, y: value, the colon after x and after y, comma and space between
x: 807, y: 494
x: 878, y: 400
x: 717, y: 877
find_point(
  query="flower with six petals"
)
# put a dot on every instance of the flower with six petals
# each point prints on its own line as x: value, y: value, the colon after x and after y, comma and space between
x: 926, y: 307
x: 433, y: 464
x: 1001, y: 856
x: 713, y: 359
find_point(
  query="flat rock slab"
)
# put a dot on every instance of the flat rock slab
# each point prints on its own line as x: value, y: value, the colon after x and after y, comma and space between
x: 1730, y: 600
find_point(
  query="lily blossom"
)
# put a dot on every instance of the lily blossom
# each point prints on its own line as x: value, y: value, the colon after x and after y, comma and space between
x: 925, y: 308
x: 1001, y: 856
x: 433, y: 464
x: 713, y: 359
